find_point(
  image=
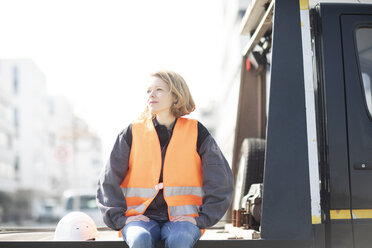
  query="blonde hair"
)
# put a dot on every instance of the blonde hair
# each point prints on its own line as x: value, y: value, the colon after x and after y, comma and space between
x: 184, y: 104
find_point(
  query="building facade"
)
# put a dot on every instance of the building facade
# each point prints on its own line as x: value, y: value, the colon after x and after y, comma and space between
x: 220, y: 115
x: 45, y: 148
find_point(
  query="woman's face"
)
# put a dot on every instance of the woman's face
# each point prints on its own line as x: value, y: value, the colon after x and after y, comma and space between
x: 159, y: 97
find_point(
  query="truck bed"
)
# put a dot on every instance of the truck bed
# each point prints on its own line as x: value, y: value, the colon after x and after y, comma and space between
x: 227, y: 236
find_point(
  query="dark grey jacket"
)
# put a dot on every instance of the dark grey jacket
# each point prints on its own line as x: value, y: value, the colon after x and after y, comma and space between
x: 217, y: 184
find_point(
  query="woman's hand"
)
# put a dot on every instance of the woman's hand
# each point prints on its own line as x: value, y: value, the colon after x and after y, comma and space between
x: 184, y: 218
x: 137, y: 218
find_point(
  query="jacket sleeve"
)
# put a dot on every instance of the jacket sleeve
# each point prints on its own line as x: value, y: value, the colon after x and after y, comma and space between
x: 217, y: 184
x: 110, y: 198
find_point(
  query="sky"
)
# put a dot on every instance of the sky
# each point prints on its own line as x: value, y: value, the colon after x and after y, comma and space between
x: 99, y: 53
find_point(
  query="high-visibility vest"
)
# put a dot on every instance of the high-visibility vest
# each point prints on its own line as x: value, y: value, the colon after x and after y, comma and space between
x: 182, y: 172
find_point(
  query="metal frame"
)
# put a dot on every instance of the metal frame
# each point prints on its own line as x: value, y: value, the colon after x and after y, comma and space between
x: 264, y: 25
x: 286, y: 195
x: 251, y: 114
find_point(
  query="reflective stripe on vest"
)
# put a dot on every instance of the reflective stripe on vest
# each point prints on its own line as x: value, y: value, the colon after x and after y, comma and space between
x: 184, y: 210
x: 172, y: 191
x: 139, y: 209
x: 182, y: 172
x: 139, y: 192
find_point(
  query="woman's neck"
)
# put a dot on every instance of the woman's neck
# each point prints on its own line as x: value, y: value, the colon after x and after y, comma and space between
x: 165, y: 119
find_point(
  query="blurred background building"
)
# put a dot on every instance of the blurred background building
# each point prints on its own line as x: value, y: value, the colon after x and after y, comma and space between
x: 44, y: 146
x: 220, y: 115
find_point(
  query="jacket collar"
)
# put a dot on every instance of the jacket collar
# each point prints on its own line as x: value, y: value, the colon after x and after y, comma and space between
x: 156, y: 123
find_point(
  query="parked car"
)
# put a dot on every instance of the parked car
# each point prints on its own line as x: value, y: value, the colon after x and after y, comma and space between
x: 49, y: 211
x: 86, y: 202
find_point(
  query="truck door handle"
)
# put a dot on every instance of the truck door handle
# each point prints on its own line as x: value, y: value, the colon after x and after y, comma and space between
x: 363, y: 166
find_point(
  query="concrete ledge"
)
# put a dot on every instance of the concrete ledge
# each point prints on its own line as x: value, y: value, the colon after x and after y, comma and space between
x: 199, y: 244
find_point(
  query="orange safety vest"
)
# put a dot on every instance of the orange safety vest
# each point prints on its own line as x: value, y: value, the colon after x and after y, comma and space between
x: 182, y: 171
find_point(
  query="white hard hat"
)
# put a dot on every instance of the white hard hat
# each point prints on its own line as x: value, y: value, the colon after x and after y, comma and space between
x: 76, y: 226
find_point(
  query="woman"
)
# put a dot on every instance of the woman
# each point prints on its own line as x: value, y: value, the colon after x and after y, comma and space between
x: 166, y: 178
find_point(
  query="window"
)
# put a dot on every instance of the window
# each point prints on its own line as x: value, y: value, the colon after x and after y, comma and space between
x: 15, y: 80
x: 241, y: 14
x: 51, y: 107
x: 10, y: 141
x: 367, y: 89
x: 5, y: 112
x: 6, y: 170
x: 3, y: 140
x: 16, y: 121
x: 364, y: 45
x: 16, y: 167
